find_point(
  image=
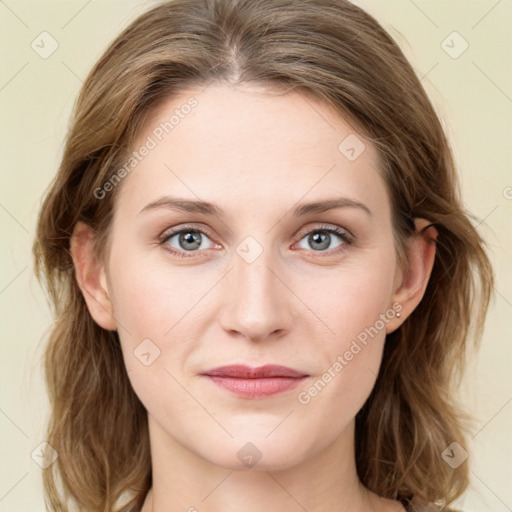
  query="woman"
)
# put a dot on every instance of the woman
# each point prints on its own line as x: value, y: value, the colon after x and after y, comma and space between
x: 300, y: 354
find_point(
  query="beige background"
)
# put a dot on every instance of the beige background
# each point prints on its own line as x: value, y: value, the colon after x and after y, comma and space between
x: 472, y: 93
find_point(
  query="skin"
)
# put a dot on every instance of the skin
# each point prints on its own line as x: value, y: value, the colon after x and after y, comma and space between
x: 256, y: 155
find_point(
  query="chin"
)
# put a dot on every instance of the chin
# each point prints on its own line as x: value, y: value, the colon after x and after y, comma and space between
x: 258, y: 453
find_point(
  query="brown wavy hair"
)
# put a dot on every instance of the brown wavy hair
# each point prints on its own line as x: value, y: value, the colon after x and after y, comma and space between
x: 338, y: 53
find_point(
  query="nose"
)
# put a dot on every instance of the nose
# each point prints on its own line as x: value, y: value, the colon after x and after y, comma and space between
x: 258, y: 304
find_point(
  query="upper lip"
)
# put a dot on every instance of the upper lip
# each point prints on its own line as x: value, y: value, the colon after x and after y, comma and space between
x: 246, y: 372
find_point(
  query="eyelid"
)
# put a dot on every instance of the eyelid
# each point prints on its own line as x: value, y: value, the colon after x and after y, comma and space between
x: 320, y: 226
x: 202, y: 227
x: 191, y: 226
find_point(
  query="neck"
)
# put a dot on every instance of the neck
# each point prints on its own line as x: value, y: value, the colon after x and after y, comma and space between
x: 327, y: 481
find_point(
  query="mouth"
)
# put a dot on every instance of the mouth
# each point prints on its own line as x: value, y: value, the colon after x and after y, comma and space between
x: 260, y: 382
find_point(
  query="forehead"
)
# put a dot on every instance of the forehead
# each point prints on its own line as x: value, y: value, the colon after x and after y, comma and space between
x: 248, y: 144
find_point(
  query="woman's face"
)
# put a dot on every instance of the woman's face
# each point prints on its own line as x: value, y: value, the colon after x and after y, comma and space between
x: 258, y: 284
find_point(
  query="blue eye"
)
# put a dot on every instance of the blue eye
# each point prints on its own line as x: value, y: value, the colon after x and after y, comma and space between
x: 321, y: 238
x: 190, y: 240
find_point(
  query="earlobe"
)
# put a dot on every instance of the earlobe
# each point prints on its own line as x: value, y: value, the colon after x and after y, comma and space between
x: 91, y: 276
x: 412, y: 285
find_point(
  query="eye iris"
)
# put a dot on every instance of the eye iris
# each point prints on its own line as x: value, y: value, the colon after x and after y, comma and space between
x: 192, y: 237
x: 316, y: 238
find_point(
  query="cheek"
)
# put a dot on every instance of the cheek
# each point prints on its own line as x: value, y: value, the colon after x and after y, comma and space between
x: 150, y: 297
x: 151, y: 307
x: 148, y: 304
x: 354, y: 308
x: 351, y: 360
x: 350, y: 299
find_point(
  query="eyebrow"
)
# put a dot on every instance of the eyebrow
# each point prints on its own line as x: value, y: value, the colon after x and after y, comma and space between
x: 206, y: 208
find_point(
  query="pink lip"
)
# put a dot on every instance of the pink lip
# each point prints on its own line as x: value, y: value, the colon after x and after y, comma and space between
x: 258, y: 382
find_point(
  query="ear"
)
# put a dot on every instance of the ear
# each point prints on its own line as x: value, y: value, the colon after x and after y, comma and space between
x: 91, y: 277
x: 410, y: 287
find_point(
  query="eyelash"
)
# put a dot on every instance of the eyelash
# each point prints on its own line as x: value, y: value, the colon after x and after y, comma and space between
x: 343, y: 235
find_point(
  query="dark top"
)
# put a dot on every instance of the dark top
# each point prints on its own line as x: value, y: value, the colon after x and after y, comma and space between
x: 410, y: 507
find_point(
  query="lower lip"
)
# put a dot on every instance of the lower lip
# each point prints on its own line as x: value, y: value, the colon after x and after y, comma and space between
x: 256, y: 388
